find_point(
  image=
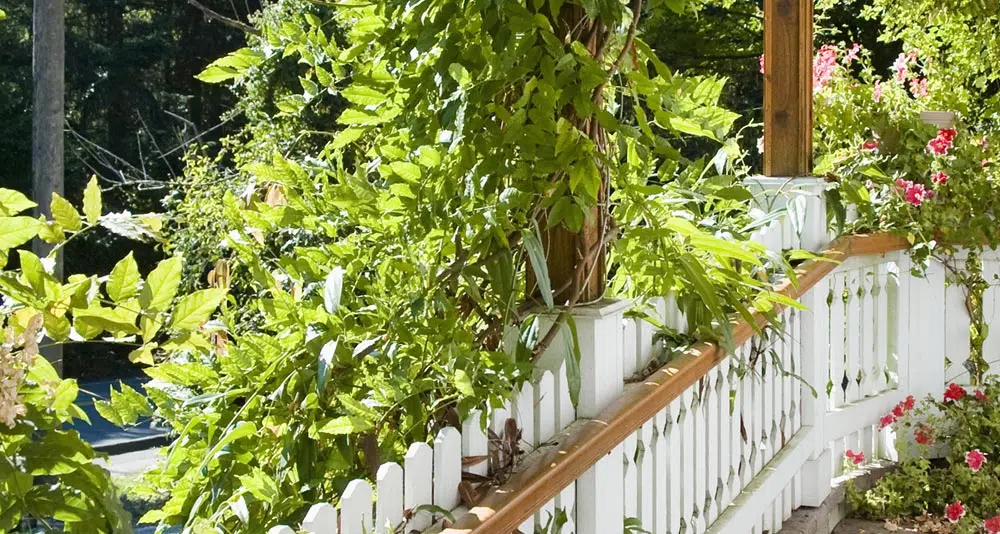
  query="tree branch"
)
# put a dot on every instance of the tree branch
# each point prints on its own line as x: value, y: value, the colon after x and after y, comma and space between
x: 210, y: 14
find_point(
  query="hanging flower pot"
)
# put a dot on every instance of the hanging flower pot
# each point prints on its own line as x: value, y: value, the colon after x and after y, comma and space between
x: 941, y: 119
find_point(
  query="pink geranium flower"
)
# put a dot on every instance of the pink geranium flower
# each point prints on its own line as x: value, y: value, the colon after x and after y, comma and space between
x: 992, y: 525
x: 762, y: 64
x: 877, y: 91
x: 870, y: 145
x: 852, y: 53
x: 939, y: 178
x: 918, y: 87
x: 857, y: 458
x: 915, y: 194
x: 900, y: 67
x: 975, y: 460
x: 954, y: 393
x: 823, y: 66
x: 909, y: 402
x: 954, y: 511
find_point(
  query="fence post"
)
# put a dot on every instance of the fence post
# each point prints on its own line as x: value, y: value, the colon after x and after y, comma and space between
x: 816, y: 473
x: 600, y: 491
x: 925, y: 357
x: 803, y: 198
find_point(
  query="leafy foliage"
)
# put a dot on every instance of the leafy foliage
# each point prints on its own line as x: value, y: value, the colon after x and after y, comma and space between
x: 48, y: 472
x: 956, y: 425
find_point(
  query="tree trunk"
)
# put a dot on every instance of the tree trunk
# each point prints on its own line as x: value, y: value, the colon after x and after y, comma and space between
x: 48, y: 75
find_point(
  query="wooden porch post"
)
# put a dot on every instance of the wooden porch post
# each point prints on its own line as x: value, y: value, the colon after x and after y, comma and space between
x: 788, y: 52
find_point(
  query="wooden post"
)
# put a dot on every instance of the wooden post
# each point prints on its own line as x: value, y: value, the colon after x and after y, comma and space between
x: 48, y: 78
x: 788, y: 51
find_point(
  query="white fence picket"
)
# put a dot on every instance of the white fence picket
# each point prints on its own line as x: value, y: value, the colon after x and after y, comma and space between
x: 417, y: 483
x: 321, y: 519
x: 389, y: 505
x: 356, y: 508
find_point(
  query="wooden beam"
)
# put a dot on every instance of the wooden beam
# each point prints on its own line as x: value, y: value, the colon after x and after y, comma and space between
x: 543, y: 475
x: 47, y: 117
x: 788, y: 52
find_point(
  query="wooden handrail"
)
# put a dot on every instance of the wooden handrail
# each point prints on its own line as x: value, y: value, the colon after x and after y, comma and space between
x: 580, y: 446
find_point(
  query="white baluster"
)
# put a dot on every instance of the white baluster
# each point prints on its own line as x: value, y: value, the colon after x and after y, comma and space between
x: 356, y: 508
x: 417, y: 483
x: 447, y: 468
x: 545, y: 407
x: 320, y: 519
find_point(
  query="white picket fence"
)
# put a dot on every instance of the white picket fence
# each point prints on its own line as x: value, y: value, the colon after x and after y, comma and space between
x: 759, y: 436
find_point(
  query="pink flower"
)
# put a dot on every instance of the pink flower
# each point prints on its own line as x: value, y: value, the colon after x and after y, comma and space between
x: 992, y: 525
x: 857, y: 458
x: 948, y: 133
x: 870, y: 145
x: 900, y: 67
x: 981, y: 395
x: 852, y: 53
x: 915, y: 194
x: 762, y: 64
x: 975, y: 460
x: 760, y: 144
x: 954, y: 511
x: 954, y: 392
x: 918, y: 86
x: 909, y: 403
x: 877, y: 91
x: 823, y: 65
x: 924, y: 435
x: 939, y: 178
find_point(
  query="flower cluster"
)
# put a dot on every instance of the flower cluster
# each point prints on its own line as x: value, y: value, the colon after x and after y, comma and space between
x: 823, y: 66
x: 942, y: 143
x: 856, y: 458
x: 898, y: 412
x: 992, y: 525
x: 924, y: 434
x: 954, y: 393
x: 13, y: 365
x: 940, y: 178
x: 901, y: 66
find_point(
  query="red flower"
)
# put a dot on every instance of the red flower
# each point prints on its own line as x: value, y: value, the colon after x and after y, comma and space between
x: 939, y: 178
x: 981, y: 395
x: 954, y: 392
x: 975, y: 460
x: 898, y: 411
x: 924, y: 435
x: 909, y: 403
x: 886, y: 420
x: 954, y: 511
x: 992, y: 525
x: 857, y: 458
x: 870, y: 145
x: 942, y: 143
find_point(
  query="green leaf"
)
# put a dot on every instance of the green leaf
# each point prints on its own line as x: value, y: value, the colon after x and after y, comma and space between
x: 406, y: 170
x: 536, y: 255
x: 463, y: 383
x: 573, y: 377
x: 65, y: 214
x: 429, y: 156
x: 459, y: 74
x: 340, y: 426
x: 124, y: 406
x: 217, y: 74
x: 16, y: 231
x: 196, y: 308
x: 2, y: 15
x: 363, y: 96
x: 143, y: 354
x: 13, y: 202
x: 161, y: 284
x: 324, y: 365
x: 183, y: 374
x: 123, y: 283
x: 92, y: 201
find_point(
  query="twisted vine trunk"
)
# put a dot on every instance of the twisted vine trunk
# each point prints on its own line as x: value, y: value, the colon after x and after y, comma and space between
x: 577, y: 261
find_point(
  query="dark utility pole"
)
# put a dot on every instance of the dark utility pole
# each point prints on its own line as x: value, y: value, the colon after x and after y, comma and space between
x: 48, y: 114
